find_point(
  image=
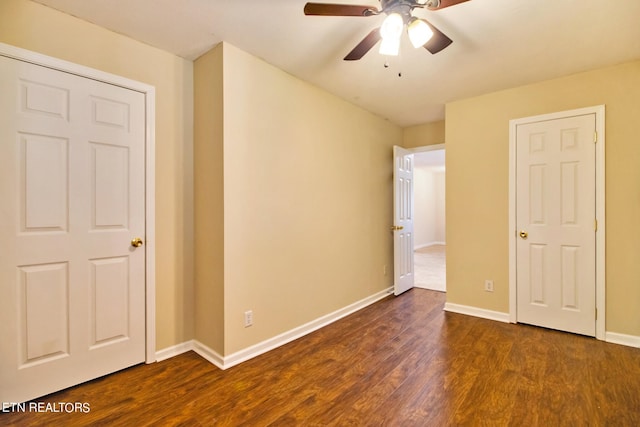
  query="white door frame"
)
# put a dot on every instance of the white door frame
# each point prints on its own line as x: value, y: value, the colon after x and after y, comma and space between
x: 599, y: 111
x: 150, y: 96
x: 427, y: 148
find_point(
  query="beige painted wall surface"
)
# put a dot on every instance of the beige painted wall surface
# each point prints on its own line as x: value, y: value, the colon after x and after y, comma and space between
x: 429, y: 203
x: 424, y: 134
x: 209, y: 198
x: 307, y: 201
x: 41, y: 29
x: 477, y: 186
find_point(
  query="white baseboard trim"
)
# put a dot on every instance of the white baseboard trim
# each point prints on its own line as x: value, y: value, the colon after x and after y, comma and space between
x: 169, y: 352
x: 271, y: 343
x: 209, y: 354
x: 611, y: 337
x: 426, y: 245
x: 622, y: 339
x: 300, y: 331
x: 477, y: 312
x: 191, y: 345
x: 250, y: 352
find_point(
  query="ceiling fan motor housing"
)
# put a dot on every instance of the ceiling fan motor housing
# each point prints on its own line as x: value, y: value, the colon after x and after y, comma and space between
x: 389, y: 6
x: 404, y: 7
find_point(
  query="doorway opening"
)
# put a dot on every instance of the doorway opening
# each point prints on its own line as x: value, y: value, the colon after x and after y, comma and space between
x: 429, y: 218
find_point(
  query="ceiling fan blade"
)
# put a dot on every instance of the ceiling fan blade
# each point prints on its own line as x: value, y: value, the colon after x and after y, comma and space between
x: 364, y: 46
x: 447, y: 3
x: 439, y: 40
x: 331, y: 9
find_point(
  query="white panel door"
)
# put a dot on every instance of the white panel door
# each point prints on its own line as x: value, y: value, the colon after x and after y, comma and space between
x: 72, y: 286
x: 555, y: 216
x: 402, y: 220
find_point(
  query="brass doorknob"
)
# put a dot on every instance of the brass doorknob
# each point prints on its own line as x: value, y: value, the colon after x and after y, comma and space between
x: 396, y: 227
x: 523, y: 234
x: 137, y: 242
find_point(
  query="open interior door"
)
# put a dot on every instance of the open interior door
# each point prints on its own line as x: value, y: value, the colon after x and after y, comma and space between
x: 402, y: 220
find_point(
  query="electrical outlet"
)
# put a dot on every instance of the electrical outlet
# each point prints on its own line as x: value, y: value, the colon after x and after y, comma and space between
x: 248, y: 318
x: 488, y: 285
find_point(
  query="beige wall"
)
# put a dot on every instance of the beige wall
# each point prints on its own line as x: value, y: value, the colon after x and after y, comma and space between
x: 38, y: 28
x: 307, y: 201
x: 477, y: 186
x: 209, y: 199
x: 424, y: 134
x: 429, y: 203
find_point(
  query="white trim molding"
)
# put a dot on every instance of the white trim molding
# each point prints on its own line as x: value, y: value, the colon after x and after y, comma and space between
x: 209, y: 354
x: 234, y: 359
x: 150, y: 97
x: 477, y: 312
x: 226, y: 362
x: 175, y: 350
x: 295, y: 333
x: 622, y: 339
x: 202, y: 350
x: 599, y: 111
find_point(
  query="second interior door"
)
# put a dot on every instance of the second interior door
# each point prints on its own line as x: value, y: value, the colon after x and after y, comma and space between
x: 555, y: 216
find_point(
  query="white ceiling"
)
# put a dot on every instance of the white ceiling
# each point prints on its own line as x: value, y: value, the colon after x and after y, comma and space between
x: 497, y: 44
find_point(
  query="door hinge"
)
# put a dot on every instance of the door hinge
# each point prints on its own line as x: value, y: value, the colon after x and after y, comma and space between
x: 595, y: 225
x: 595, y: 137
x: 596, y: 314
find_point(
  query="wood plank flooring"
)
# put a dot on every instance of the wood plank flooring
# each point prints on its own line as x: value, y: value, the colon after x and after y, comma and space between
x: 400, y: 362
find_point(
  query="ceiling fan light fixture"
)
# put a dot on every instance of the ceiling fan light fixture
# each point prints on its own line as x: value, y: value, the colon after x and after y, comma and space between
x: 389, y: 47
x: 390, y: 32
x: 392, y: 26
x: 419, y: 32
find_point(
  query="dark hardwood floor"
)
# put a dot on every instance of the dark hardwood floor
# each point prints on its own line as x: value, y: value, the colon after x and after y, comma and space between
x: 400, y: 362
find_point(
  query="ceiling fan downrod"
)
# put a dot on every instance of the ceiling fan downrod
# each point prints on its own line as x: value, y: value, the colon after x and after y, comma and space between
x: 392, y: 5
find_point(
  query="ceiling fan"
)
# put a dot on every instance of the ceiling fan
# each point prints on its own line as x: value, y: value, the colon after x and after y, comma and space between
x: 421, y: 33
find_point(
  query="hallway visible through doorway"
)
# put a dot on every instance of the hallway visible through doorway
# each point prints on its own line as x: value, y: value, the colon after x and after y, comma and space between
x: 430, y: 268
x: 429, y: 219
